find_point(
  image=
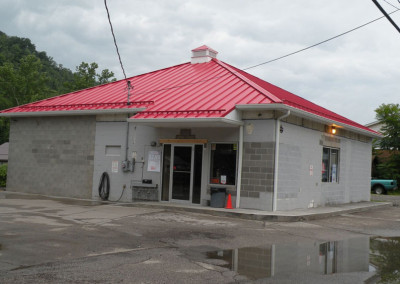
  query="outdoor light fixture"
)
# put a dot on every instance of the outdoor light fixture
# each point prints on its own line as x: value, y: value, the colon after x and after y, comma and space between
x: 333, y: 130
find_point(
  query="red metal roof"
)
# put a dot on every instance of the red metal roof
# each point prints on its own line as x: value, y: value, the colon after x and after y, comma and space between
x: 211, y: 89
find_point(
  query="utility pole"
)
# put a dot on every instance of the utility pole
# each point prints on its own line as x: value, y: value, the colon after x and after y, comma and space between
x: 386, y: 15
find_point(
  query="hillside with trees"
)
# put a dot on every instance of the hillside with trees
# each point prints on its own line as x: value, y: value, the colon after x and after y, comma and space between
x: 28, y: 75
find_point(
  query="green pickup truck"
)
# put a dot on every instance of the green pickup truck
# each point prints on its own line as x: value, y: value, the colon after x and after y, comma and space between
x: 382, y: 186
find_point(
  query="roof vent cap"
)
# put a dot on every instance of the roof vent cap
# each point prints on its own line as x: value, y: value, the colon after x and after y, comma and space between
x: 203, y: 54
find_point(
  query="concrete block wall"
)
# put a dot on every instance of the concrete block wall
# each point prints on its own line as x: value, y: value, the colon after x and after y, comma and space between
x: 258, y: 169
x: 258, y: 164
x: 300, y: 167
x: 113, y: 133
x: 52, y: 156
x: 357, y: 170
x: 299, y: 176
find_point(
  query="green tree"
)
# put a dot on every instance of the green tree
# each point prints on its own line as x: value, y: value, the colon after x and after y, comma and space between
x: 23, y: 84
x: 3, y: 175
x: 389, y: 116
x: 86, y: 77
x: 27, y: 75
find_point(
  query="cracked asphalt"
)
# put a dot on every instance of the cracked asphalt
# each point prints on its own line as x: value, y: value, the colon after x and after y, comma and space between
x: 67, y: 241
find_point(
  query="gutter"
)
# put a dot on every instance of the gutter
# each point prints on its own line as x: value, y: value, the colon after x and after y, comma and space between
x: 309, y: 115
x: 276, y: 158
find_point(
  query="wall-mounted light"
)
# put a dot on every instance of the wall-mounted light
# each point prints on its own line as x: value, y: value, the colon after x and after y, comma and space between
x: 333, y: 130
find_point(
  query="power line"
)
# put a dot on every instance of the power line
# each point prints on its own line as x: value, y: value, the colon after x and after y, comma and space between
x: 115, y: 41
x: 321, y: 42
x: 386, y: 14
x: 392, y: 4
x: 272, y: 60
x: 128, y: 82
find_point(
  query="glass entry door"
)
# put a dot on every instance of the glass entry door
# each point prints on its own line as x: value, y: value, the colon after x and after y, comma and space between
x: 182, y: 173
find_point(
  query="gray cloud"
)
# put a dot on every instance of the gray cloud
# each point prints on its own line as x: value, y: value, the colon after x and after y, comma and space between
x: 351, y: 75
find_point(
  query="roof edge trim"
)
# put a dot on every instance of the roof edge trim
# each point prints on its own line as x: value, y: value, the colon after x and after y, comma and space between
x: 308, y: 115
x: 188, y: 120
x: 71, y: 112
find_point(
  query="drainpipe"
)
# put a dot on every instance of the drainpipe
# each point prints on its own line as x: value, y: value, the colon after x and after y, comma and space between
x: 276, y: 164
x: 240, y: 163
x: 127, y: 139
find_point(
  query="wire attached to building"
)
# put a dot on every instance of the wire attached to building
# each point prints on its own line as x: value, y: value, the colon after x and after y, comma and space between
x: 269, y: 61
x: 115, y: 41
x: 321, y: 42
x: 129, y: 86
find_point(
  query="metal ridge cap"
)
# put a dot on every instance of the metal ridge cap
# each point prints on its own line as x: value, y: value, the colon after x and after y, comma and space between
x: 251, y: 83
x: 70, y: 112
x: 308, y: 115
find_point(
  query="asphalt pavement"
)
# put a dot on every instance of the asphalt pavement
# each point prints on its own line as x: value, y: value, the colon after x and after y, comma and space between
x: 46, y: 240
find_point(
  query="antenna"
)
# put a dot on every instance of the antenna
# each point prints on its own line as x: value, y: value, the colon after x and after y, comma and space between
x: 129, y: 91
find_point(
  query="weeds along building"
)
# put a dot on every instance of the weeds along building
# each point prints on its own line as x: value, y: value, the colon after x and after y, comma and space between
x: 186, y: 130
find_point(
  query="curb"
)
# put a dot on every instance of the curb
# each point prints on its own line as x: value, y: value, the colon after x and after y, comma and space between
x: 263, y: 216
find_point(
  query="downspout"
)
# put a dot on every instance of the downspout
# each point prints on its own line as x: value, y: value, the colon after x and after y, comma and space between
x: 276, y: 158
x: 127, y: 139
x: 240, y: 163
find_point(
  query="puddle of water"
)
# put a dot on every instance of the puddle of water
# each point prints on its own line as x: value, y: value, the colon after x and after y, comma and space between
x: 380, y: 256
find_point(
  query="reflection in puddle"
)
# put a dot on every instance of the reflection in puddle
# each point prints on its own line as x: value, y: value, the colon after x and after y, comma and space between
x: 385, y: 255
x: 376, y: 255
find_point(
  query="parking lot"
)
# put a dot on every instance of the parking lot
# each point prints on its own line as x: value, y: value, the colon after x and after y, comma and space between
x: 44, y: 240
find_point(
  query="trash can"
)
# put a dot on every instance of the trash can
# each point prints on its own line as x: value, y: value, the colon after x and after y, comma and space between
x: 218, y: 195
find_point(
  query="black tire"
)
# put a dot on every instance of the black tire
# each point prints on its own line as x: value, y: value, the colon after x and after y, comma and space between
x: 379, y: 190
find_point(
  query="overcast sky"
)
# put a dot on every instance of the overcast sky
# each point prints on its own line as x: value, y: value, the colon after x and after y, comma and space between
x: 351, y: 75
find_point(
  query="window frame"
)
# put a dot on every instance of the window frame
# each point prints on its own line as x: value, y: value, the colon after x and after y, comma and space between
x: 329, y: 178
x: 210, y: 165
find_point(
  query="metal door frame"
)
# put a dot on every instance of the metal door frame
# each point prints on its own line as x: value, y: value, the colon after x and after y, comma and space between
x: 171, y: 176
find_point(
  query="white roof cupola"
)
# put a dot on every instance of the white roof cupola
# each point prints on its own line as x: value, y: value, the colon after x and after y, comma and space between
x: 203, y: 54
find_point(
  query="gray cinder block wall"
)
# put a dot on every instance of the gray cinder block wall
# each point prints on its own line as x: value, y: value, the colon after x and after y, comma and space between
x: 300, y: 167
x: 110, y: 147
x: 258, y: 164
x: 52, y: 155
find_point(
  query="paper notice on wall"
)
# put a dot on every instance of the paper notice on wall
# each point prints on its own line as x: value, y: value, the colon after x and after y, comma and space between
x: 154, y: 161
x: 334, y: 173
x: 114, y: 167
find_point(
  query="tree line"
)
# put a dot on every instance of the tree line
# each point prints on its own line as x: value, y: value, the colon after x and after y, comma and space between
x: 27, y: 75
x: 386, y: 151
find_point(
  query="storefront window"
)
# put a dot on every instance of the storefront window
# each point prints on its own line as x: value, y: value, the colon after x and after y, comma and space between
x: 223, y: 164
x: 330, y: 165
